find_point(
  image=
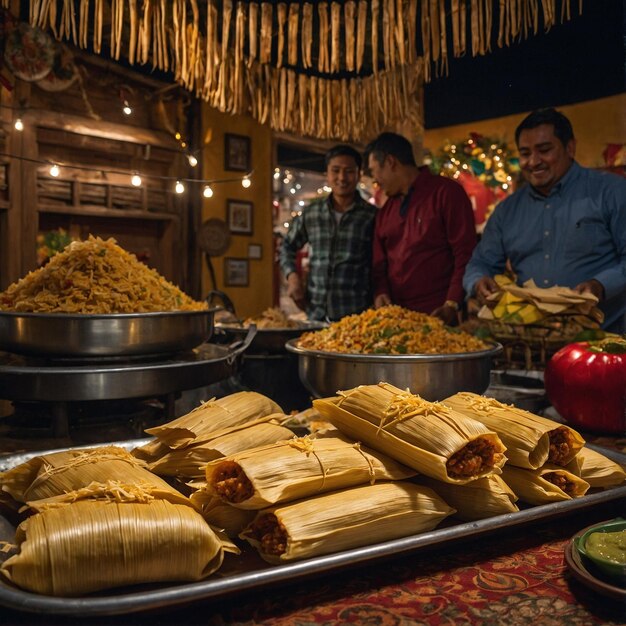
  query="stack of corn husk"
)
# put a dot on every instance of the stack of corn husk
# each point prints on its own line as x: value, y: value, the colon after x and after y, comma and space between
x: 216, y: 428
x: 546, y: 461
x: 101, y: 520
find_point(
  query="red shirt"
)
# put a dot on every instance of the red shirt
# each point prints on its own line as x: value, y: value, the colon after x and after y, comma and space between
x: 419, y: 258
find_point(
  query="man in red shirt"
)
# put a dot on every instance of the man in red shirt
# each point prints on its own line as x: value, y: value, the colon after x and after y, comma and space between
x: 424, y: 234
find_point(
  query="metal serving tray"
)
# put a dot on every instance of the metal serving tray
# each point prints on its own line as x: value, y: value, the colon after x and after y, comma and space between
x: 247, y: 571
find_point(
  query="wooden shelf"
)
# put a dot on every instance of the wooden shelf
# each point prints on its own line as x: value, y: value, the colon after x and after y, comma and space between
x: 98, y: 211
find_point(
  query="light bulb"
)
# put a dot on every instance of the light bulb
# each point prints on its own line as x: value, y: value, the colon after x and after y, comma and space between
x: 180, y: 188
x: 245, y: 182
x: 127, y: 110
x: 135, y: 181
x: 276, y: 175
x: 54, y: 170
x: 19, y: 125
x: 207, y: 192
x: 192, y: 160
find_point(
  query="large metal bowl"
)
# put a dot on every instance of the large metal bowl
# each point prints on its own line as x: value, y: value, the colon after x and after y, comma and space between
x: 268, y: 340
x: 110, y: 335
x: 432, y: 376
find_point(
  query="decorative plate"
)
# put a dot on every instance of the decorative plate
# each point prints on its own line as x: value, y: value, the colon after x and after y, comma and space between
x: 29, y: 52
x: 63, y: 73
x: 214, y: 237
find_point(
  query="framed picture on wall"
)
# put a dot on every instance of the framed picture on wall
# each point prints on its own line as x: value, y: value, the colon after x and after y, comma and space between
x: 236, y: 272
x: 255, y: 251
x: 236, y: 153
x: 239, y: 216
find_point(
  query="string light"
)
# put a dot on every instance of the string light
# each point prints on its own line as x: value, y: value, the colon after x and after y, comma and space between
x: 126, y: 108
x: 192, y: 160
x: 207, y: 192
x: 135, y: 181
x: 55, y: 171
x: 246, y: 182
x: 19, y: 125
x: 180, y: 188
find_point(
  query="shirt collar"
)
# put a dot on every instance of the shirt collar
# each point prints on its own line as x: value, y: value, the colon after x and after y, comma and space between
x: 404, y: 203
x: 564, y: 182
x: 331, y: 206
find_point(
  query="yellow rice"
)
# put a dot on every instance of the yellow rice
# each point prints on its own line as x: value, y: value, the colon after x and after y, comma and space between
x: 95, y: 276
x: 390, y: 330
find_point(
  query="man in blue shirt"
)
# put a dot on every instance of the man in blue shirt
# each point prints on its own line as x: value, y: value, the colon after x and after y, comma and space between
x: 566, y: 227
x: 338, y: 229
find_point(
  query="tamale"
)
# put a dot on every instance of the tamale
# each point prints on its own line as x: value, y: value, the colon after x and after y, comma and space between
x: 431, y: 438
x: 344, y: 519
x: 221, y: 515
x: 190, y: 462
x: 530, y: 440
x: 56, y: 473
x: 300, y: 467
x: 596, y: 469
x: 237, y: 408
x: 91, y: 545
x: 478, y: 499
x: 546, y: 484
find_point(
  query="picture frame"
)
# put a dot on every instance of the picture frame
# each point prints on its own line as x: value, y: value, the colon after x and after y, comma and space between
x: 236, y: 272
x: 237, y: 153
x: 255, y: 251
x: 239, y: 216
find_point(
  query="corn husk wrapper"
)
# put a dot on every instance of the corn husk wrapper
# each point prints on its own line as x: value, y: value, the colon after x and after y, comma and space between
x: 596, y: 469
x: 299, y: 468
x: 478, y: 499
x: 215, y: 415
x: 423, y: 435
x: 190, y: 462
x: 92, y: 545
x: 151, y: 451
x: 533, y: 487
x: 57, y: 473
x: 349, y: 518
x: 221, y: 515
x: 527, y: 436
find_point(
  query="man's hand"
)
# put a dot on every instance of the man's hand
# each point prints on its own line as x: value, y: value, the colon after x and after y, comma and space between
x: 449, y: 315
x: 484, y: 287
x: 295, y: 290
x: 592, y: 286
x: 381, y: 299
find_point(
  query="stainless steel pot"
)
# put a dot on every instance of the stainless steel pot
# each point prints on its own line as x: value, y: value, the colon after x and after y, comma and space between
x: 268, y: 340
x: 433, y: 376
x: 115, y: 334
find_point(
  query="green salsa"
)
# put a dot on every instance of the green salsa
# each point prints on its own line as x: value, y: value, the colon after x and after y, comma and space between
x: 607, y: 546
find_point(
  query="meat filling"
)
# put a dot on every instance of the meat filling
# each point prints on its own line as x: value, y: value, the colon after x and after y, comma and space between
x: 231, y: 483
x: 560, y: 446
x: 472, y: 459
x: 270, y: 533
x: 561, y: 481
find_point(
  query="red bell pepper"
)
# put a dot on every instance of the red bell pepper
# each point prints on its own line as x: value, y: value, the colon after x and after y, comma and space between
x: 586, y: 384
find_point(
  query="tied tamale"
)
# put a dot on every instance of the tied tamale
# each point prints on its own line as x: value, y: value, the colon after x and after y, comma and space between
x: 430, y: 437
x: 53, y: 474
x: 546, y: 484
x: 297, y: 468
x: 91, y: 545
x: 596, y: 469
x: 221, y: 515
x: 478, y: 499
x: 190, y: 462
x: 344, y: 519
x: 214, y: 415
x: 530, y: 440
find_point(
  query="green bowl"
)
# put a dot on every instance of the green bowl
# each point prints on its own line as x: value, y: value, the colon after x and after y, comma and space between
x: 611, y: 568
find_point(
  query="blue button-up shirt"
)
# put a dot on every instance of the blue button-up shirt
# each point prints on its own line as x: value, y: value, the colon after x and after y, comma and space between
x: 575, y: 234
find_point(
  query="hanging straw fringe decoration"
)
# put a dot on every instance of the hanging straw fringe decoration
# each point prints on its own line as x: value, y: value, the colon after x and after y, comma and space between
x: 243, y: 57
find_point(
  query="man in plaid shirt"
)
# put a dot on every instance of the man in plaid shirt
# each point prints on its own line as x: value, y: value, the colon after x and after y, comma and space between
x: 338, y: 229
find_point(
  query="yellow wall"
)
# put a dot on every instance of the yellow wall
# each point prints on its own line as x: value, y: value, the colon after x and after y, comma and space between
x: 596, y: 123
x: 257, y: 296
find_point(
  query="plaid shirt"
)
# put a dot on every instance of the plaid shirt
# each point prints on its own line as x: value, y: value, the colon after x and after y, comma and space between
x: 340, y: 258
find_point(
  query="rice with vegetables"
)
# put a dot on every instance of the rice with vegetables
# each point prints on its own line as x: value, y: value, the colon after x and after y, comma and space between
x: 391, y: 330
x: 95, y: 276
